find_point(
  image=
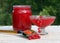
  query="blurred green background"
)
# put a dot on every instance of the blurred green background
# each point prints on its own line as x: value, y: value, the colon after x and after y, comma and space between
x: 39, y: 7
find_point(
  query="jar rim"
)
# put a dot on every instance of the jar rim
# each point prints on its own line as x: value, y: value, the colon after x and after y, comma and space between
x: 21, y: 6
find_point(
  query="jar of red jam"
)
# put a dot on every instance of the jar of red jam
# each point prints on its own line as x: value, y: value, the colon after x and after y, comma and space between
x: 20, y: 17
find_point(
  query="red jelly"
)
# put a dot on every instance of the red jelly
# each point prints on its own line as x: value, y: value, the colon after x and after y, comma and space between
x: 21, y: 20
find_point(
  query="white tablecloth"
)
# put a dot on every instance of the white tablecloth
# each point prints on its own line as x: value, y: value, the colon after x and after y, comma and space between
x: 53, y: 36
